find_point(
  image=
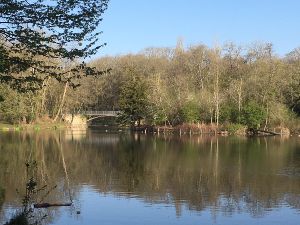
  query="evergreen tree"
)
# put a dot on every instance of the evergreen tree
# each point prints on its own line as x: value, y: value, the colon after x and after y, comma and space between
x: 132, y: 102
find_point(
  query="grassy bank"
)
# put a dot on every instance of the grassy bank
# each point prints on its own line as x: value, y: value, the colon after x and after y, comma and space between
x: 34, y: 126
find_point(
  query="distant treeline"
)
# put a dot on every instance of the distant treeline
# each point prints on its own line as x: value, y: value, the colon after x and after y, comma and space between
x: 169, y: 86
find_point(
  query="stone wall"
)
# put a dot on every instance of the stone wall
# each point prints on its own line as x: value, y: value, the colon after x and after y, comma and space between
x: 76, y: 120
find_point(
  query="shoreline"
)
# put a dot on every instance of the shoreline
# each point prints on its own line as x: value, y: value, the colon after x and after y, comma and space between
x: 35, y: 126
x: 184, y: 129
x: 222, y: 130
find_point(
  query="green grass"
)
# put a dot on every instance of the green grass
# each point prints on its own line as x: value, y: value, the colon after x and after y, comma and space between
x: 36, y: 126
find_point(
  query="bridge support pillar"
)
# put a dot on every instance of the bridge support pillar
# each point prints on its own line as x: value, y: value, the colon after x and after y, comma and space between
x: 76, y: 120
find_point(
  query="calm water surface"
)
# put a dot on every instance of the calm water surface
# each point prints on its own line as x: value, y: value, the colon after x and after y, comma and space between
x: 138, y: 179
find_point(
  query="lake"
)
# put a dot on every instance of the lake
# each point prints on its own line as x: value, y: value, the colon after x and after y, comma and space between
x: 123, y: 178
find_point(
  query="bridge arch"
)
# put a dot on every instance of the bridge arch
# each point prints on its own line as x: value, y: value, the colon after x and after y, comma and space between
x: 80, y: 118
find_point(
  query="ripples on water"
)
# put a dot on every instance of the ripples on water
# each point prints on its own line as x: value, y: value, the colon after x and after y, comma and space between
x: 138, y: 179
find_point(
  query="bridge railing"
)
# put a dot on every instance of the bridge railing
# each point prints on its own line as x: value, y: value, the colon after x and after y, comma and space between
x: 100, y: 113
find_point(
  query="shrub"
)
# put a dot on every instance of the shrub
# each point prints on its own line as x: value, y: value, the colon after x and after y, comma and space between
x: 235, y: 128
x: 253, y: 115
x: 190, y: 112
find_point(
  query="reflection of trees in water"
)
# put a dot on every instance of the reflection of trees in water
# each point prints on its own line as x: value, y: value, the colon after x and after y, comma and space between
x: 226, y: 174
x: 2, y: 193
x: 18, y: 148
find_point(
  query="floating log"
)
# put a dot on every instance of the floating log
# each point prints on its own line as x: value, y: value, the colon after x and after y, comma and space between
x: 268, y: 132
x: 47, y: 205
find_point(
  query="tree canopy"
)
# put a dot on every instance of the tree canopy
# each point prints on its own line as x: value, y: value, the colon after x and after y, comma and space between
x: 36, y: 34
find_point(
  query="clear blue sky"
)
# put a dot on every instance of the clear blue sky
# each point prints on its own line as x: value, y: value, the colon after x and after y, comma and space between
x: 132, y: 25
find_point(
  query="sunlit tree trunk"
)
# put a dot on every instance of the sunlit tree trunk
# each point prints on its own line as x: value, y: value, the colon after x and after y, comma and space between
x: 62, y: 101
x: 240, y: 99
x: 217, y: 87
x: 44, y: 95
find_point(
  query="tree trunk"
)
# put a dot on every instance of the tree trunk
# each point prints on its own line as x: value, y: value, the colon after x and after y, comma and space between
x: 45, y: 85
x: 62, y: 101
x: 266, y: 121
x: 240, y: 99
x: 217, y: 99
x: 211, y: 117
x: 217, y: 86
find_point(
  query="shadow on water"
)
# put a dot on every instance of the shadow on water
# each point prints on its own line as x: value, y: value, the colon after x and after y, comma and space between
x: 26, y: 214
x: 19, y: 219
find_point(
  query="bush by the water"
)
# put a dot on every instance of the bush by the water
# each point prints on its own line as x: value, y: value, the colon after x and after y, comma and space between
x: 235, y: 128
x: 18, y: 219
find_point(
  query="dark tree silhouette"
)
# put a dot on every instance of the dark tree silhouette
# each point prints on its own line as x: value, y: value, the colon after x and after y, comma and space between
x: 33, y: 32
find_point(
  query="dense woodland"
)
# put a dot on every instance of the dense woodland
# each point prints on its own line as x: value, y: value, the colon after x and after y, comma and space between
x: 250, y: 86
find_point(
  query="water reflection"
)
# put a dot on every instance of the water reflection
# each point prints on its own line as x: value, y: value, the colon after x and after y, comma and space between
x: 75, y: 134
x: 224, y: 176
